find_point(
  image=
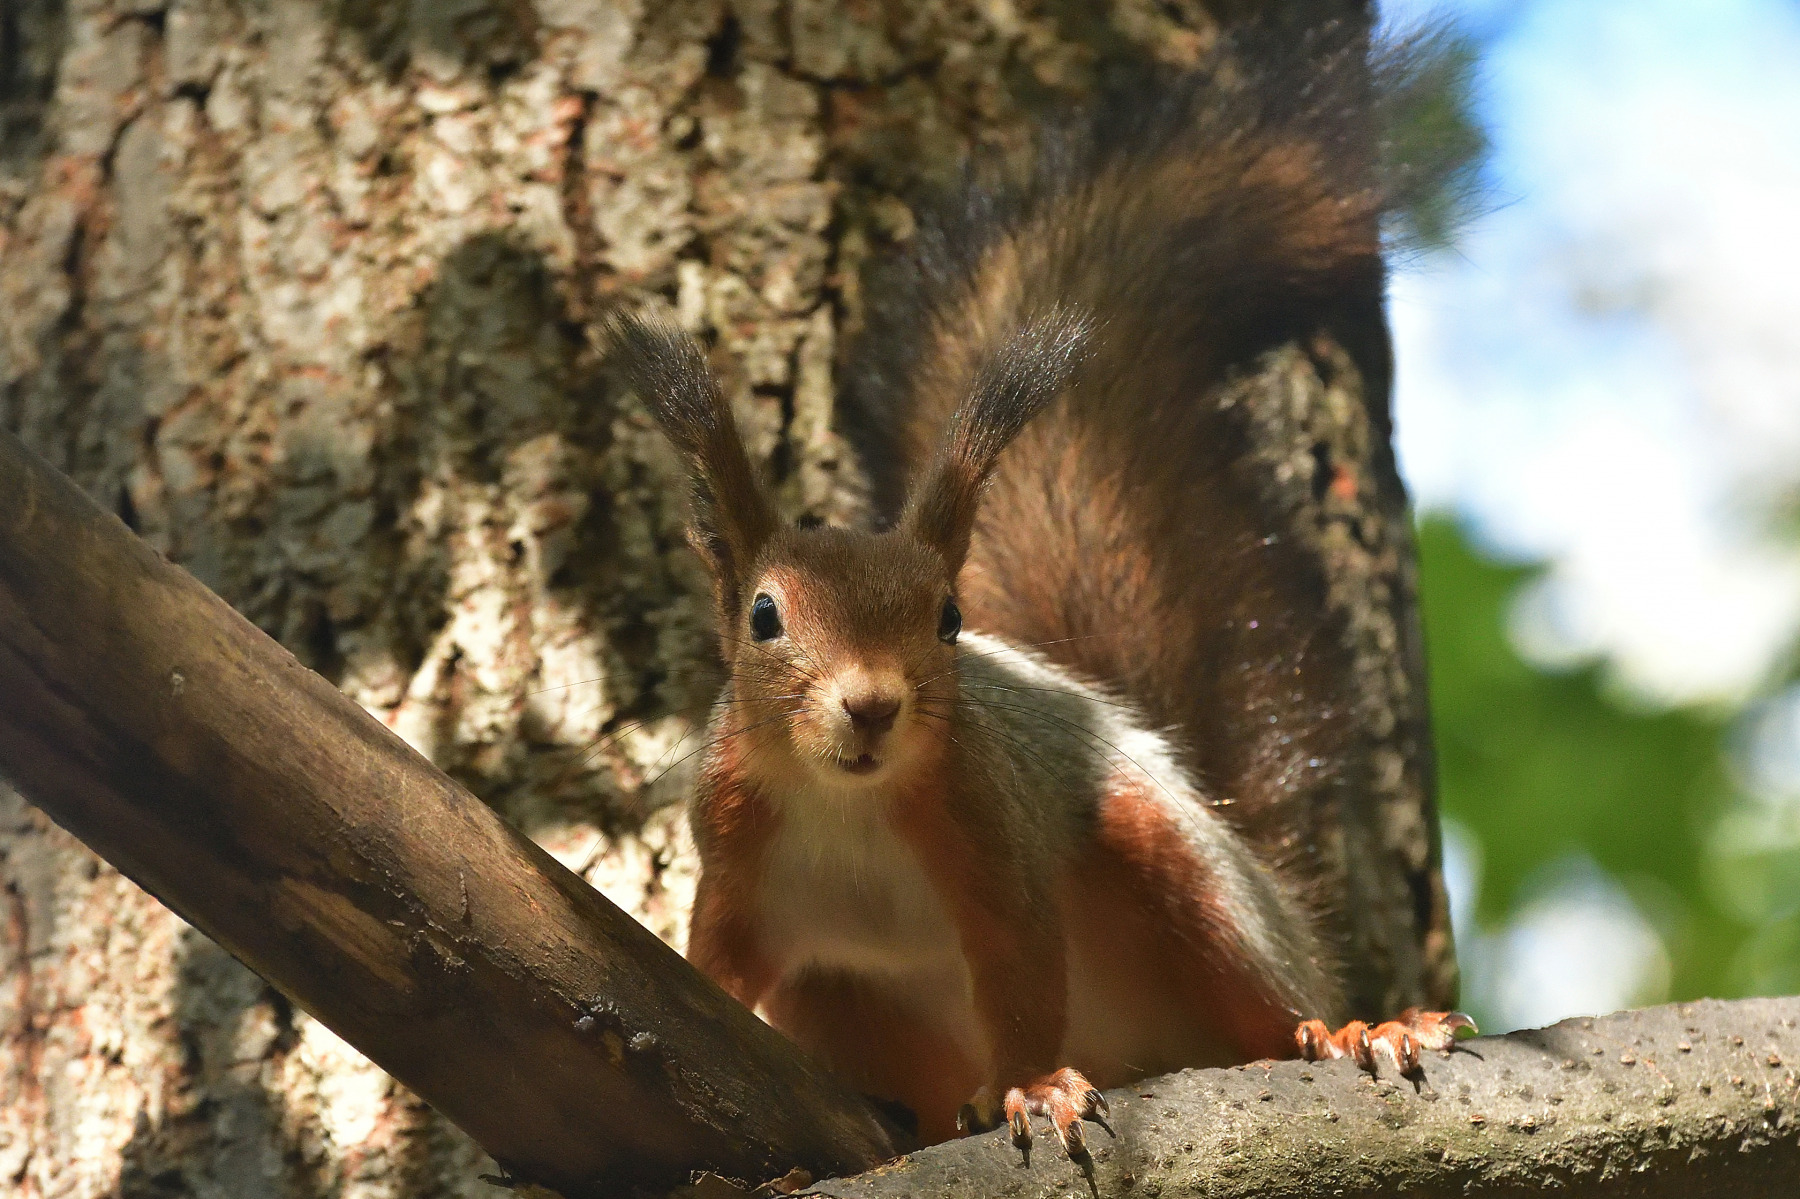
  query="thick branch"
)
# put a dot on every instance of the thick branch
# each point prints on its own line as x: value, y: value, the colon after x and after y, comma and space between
x: 193, y: 752
x: 1680, y: 1101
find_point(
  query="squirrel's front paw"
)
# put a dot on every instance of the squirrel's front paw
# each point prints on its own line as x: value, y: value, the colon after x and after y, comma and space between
x: 1065, y: 1097
x: 1400, y: 1041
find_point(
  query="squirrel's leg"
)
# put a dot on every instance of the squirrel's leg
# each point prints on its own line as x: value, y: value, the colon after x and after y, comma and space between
x: 722, y: 940
x: 1399, y: 1041
x: 1008, y: 921
x: 1203, y: 971
x: 874, y: 1035
x: 732, y: 826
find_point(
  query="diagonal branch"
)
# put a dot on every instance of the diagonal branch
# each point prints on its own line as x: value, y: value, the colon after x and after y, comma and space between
x: 193, y: 752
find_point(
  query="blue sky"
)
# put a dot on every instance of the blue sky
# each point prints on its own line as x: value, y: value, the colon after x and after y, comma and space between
x: 1604, y: 376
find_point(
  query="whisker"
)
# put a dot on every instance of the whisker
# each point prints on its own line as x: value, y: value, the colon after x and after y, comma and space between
x: 1087, y: 696
x: 719, y: 740
x: 607, y: 740
x: 1005, y: 735
x: 660, y: 674
x: 798, y: 665
x: 1095, y: 737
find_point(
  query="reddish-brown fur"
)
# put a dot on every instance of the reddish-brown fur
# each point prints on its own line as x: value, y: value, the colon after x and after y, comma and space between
x: 936, y: 905
x: 732, y: 824
x: 878, y: 1047
x: 1142, y: 902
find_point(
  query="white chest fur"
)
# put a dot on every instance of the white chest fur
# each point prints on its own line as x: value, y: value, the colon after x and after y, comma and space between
x: 842, y: 891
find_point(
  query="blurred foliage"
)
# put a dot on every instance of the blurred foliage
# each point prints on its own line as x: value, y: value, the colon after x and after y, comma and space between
x: 1543, y: 768
x: 1541, y: 765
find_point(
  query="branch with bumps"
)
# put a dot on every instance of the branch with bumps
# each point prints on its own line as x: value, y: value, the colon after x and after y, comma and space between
x: 1681, y: 1100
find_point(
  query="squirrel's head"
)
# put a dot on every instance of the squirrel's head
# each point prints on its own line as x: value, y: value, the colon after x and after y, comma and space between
x: 840, y: 642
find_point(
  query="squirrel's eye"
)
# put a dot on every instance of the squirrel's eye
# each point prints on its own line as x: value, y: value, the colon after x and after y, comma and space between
x: 950, y: 622
x: 765, y: 621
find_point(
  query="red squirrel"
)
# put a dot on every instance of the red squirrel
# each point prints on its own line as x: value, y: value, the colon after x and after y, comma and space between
x: 984, y: 871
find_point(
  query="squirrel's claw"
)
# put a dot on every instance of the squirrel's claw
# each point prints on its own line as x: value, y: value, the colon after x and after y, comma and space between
x: 1020, y: 1125
x: 1067, y: 1099
x: 1437, y: 1030
x: 1399, y: 1041
x: 1314, y: 1041
x: 1099, y: 1110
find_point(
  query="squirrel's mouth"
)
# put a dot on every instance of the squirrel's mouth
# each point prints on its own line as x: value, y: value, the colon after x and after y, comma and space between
x: 865, y: 764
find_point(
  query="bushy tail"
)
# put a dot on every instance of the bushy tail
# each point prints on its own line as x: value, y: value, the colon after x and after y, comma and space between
x: 1127, y: 532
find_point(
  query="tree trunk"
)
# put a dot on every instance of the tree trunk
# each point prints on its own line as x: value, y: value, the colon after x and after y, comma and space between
x: 302, y: 290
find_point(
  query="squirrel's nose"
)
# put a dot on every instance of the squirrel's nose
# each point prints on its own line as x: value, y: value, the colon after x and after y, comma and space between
x: 872, y: 711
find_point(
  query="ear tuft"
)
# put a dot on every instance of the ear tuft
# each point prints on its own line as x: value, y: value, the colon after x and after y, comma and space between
x: 731, y: 518
x: 1029, y: 371
x: 666, y: 369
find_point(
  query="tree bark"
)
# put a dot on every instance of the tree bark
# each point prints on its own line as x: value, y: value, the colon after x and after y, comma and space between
x: 1676, y: 1101
x: 301, y: 290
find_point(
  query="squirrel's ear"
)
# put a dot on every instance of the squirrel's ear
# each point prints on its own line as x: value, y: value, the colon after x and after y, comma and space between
x: 1029, y: 371
x: 730, y: 516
